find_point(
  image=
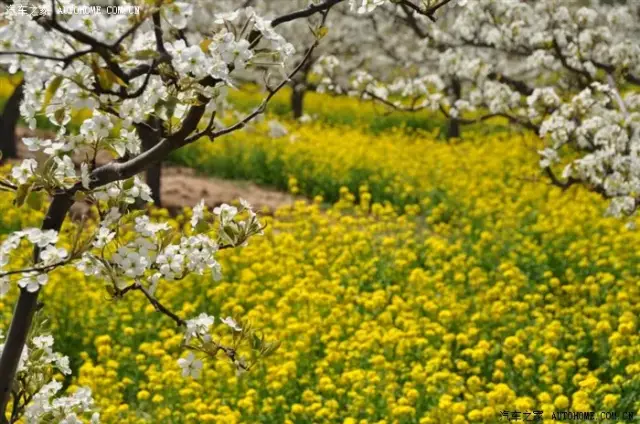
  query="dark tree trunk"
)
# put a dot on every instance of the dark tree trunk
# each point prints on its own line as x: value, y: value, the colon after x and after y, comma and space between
x: 149, y: 139
x: 297, y: 100
x: 153, y: 174
x: 9, y: 121
x: 453, y: 130
x: 299, y: 87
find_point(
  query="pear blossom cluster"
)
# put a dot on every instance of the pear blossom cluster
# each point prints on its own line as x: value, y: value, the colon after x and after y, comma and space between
x: 38, y: 363
x: 353, y: 34
x: 123, y: 92
x: 159, y: 253
x: 61, y: 409
x: 200, y: 341
x: 198, y: 66
x: 50, y: 255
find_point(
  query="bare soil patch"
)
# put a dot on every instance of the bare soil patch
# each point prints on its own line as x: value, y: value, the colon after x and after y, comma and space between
x: 182, y: 187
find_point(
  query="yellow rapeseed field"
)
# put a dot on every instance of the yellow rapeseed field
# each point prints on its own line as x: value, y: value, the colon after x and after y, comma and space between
x: 447, y: 285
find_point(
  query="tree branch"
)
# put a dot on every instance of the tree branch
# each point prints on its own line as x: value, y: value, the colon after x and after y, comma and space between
x: 157, y: 30
x: 35, y: 269
x: 520, y: 86
x: 429, y: 12
x: 565, y: 63
x: 160, y: 307
x: 392, y: 105
x: 616, y: 94
x: 312, y: 9
x: 633, y: 79
x: 411, y: 20
x: 261, y: 108
x: 564, y: 185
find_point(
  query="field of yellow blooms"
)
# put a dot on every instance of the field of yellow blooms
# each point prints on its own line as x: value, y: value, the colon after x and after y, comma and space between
x: 445, y: 283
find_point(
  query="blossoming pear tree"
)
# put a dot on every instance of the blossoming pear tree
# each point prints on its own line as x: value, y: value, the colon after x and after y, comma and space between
x: 567, y: 72
x: 155, y: 81
x: 351, y: 33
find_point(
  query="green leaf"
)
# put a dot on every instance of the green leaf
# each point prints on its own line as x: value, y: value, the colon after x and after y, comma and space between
x: 145, y: 54
x: 256, y: 342
x: 170, y: 106
x: 271, y: 349
x: 51, y: 91
x: 227, y: 237
x: 322, y: 32
x: 47, y: 167
x: 22, y: 193
x: 59, y: 115
x: 79, y: 196
x: 202, y: 227
x: 128, y: 184
x: 35, y: 200
x: 107, y: 78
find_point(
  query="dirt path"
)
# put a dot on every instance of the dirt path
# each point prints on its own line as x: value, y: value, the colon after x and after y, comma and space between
x: 182, y: 187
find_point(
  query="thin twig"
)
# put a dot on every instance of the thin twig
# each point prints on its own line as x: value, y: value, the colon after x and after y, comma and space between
x: 616, y: 94
x: 272, y: 92
x: 36, y: 269
x: 160, y: 307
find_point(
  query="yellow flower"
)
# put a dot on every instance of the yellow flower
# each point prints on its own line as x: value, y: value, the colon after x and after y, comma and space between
x: 589, y: 383
x: 561, y: 402
x: 475, y: 415
x: 610, y: 400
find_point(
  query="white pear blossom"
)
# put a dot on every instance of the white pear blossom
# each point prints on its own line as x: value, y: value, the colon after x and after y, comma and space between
x: 39, y: 237
x: 230, y: 322
x: 45, y: 343
x: 198, y: 326
x: 33, y: 282
x: 24, y: 171
x: 225, y: 212
x: 236, y: 53
x: 52, y: 255
x: 103, y: 237
x: 84, y: 175
x: 549, y: 157
x: 4, y: 286
x: 35, y: 144
x: 198, y: 213
x: 365, y: 6
x: 191, y: 366
x: 96, y: 127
